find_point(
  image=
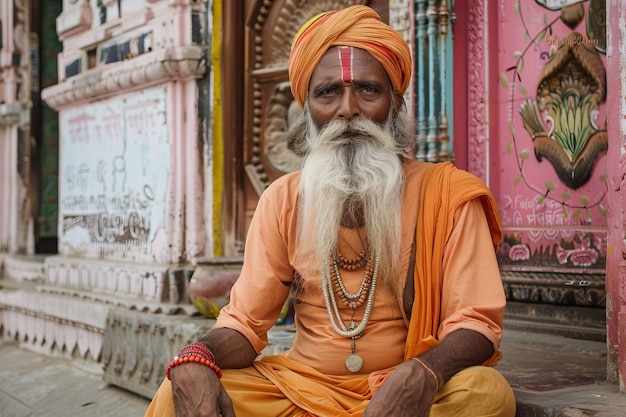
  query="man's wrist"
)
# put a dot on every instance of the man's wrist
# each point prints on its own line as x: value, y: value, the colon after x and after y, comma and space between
x: 429, y: 371
x: 194, y: 353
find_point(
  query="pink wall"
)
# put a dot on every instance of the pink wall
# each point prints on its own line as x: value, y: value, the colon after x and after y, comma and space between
x: 616, y: 259
x: 551, y: 223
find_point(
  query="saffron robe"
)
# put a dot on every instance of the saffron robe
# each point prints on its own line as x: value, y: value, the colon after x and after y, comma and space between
x: 455, y: 222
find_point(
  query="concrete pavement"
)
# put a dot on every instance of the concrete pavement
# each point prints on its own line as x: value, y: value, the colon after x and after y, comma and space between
x: 32, y: 385
x: 553, y: 376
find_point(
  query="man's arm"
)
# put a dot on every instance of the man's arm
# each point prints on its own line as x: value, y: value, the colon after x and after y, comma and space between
x: 196, y: 388
x: 473, y: 298
x: 461, y: 349
x: 410, y: 389
x: 231, y: 348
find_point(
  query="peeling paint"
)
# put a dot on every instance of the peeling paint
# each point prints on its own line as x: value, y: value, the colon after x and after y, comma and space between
x: 114, y: 163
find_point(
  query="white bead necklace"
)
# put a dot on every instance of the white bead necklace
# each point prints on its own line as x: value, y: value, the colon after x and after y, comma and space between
x: 354, y: 362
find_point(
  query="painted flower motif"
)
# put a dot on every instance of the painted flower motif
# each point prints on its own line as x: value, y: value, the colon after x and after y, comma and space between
x: 562, y: 255
x: 582, y: 254
x: 598, y: 242
x: 563, y: 120
x: 584, y: 257
x: 519, y: 253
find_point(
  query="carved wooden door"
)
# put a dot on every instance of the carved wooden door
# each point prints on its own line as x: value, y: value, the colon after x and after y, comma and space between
x: 262, y: 155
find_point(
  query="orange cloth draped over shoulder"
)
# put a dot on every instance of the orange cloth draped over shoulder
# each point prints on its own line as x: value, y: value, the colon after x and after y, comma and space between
x: 281, y: 382
x: 357, y: 26
x: 444, y: 189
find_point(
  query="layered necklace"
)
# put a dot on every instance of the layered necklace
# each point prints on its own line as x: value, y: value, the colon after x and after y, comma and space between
x: 335, y: 290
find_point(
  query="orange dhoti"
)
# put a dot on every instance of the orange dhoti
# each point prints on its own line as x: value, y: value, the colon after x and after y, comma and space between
x: 278, y: 386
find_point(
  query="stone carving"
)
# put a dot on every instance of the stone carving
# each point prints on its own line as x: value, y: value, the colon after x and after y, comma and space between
x: 293, y: 14
x: 53, y: 325
x: 284, y: 128
x: 175, y: 63
x: 149, y: 287
x: 138, y: 347
x: 21, y: 268
x: 554, y: 288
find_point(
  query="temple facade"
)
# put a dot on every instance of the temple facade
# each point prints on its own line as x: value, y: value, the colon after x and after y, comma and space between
x: 136, y: 137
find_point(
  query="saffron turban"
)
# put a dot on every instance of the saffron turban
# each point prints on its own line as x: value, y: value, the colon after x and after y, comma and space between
x: 357, y: 26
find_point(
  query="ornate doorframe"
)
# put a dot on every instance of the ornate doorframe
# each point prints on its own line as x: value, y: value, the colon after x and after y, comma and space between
x: 256, y: 131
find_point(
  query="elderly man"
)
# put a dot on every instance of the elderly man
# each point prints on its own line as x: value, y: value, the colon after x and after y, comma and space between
x: 399, y: 302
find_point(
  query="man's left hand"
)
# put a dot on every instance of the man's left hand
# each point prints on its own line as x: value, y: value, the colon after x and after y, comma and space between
x: 408, y: 392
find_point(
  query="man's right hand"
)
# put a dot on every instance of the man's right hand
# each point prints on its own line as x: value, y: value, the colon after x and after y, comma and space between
x: 198, y: 393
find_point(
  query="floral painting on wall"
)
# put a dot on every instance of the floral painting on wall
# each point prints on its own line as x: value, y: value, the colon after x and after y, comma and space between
x: 550, y: 176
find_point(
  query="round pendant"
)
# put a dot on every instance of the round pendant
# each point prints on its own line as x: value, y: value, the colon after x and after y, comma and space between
x: 354, y: 362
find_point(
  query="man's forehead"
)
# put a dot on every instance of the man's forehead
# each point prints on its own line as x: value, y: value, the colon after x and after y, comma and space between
x: 345, y: 61
x: 346, y: 57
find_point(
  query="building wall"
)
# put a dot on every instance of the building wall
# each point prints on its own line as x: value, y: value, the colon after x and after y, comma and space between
x: 136, y: 172
x: 616, y: 257
x: 14, y: 124
x: 131, y: 143
x: 134, y: 152
x: 564, y: 236
x: 549, y: 168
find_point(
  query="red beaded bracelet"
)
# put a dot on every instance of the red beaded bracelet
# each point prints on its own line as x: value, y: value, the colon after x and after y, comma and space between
x: 198, y: 349
x: 191, y: 358
x: 195, y: 352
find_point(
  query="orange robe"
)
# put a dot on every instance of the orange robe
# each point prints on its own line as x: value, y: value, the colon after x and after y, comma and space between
x: 456, y: 279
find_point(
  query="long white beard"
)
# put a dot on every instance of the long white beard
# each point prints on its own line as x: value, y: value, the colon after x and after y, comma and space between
x: 352, y: 173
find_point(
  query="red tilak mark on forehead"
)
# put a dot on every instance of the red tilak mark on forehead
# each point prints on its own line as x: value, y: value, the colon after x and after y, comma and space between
x: 345, y: 59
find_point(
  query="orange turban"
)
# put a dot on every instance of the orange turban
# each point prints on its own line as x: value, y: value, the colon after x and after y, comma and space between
x: 357, y: 26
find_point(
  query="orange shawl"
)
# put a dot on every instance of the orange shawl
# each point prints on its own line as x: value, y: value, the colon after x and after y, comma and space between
x: 444, y: 189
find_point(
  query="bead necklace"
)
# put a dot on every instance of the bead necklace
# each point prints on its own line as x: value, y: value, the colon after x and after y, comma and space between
x: 354, y: 362
x: 356, y: 300
x: 351, y: 264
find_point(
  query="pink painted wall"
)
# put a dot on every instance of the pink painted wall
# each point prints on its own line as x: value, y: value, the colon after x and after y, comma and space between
x: 549, y: 225
x: 616, y: 259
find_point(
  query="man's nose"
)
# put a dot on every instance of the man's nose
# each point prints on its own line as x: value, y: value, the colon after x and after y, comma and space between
x: 348, y: 105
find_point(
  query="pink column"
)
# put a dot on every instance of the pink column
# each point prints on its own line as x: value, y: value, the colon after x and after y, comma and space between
x: 616, y: 258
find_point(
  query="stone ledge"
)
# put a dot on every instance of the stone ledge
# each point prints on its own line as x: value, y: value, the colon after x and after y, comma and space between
x: 598, y: 400
x: 138, y: 346
x: 176, y: 63
x: 577, y: 322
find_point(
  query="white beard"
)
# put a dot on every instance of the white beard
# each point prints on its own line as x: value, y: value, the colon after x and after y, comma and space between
x: 352, y: 176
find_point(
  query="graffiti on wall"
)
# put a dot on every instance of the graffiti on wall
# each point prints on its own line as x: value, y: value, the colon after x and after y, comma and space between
x: 553, y: 173
x: 114, y: 166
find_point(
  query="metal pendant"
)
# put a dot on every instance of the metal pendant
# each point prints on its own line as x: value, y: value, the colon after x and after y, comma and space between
x: 354, y: 362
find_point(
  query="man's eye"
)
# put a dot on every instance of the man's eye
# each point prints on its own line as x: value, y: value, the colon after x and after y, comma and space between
x: 369, y: 93
x: 327, y: 91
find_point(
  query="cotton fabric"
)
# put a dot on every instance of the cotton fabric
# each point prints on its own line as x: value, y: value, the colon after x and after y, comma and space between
x: 353, y: 26
x: 457, y: 286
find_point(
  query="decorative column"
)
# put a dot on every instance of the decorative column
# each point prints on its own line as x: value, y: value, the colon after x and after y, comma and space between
x: 421, y: 60
x: 616, y: 221
x: 444, y: 138
x: 14, y: 118
x: 478, y: 88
